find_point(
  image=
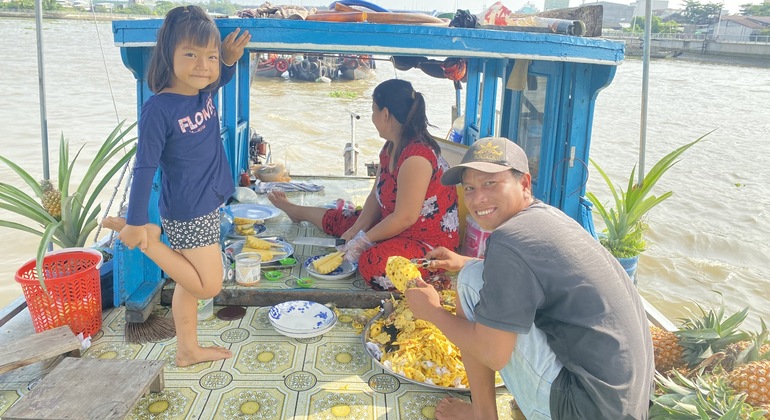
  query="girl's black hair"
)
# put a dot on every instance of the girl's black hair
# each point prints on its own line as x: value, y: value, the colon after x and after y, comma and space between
x: 183, y: 23
x: 408, y: 107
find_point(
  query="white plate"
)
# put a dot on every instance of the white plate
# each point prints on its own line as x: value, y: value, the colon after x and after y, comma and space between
x: 286, y: 249
x: 301, y: 317
x: 297, y: 333
x: 254, y: 211
x: 345, y: 270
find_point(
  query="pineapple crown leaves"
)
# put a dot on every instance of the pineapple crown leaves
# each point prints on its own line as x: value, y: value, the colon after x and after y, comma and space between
x: 703, y: 335
x: 624, y: 223
x: 752, y: 353
x: 705, y: 397
x: 79, y: 211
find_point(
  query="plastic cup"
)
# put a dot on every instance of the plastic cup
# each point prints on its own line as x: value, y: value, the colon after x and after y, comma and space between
x: 247, y: 268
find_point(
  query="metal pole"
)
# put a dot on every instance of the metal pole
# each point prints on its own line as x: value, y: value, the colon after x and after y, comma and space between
x: 41, y: 86
x: 645, y: 86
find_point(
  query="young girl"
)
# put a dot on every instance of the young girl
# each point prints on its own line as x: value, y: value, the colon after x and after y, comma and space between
x: 179, y: 132
x: 408, y: 212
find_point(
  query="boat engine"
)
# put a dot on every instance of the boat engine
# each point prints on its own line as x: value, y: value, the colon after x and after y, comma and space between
x: 259, y: 150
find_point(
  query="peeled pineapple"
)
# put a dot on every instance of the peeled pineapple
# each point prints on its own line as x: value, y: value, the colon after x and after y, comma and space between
x: 258, y: 243
x: 246, y: 221
x: 51, y: 199
x: 401, y: 272
x: 328, y: 263
x: 266, y: 254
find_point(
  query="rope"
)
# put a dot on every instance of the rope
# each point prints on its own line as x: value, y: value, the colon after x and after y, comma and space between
x: 117, y: 118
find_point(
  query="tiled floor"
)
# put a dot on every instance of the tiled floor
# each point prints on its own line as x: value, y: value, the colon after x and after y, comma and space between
x: 270, y: 376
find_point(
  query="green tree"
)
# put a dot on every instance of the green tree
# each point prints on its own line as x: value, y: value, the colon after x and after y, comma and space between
x: 755, y: 9
x: 701, y: 14
x: 162, y: 7
x: 638, y: 24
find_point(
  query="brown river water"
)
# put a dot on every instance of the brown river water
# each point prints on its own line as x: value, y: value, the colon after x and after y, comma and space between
x: 710, y: 238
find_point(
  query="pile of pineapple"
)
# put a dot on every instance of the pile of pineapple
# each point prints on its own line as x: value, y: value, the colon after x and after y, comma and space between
x: 709, y: 369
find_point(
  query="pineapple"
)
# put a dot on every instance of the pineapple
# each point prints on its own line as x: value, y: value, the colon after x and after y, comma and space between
x: 703, y: 397
x: 752, y: 379
x: 401, y: 272
x: 749, y: 370
x: 328, y: 263
x: 51, y: 199
x: 668, y: 352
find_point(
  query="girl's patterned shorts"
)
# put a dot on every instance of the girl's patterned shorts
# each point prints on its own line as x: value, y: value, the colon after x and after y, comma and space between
x: 198, y: 232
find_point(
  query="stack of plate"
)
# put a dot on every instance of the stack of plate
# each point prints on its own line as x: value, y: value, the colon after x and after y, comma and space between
x: 301, y: 318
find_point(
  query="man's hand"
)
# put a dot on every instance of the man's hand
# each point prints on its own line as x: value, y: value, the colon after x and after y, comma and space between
x: 133, y: 236
x: 233, y: 45
x: 442, y: 258
x: 423, y: 300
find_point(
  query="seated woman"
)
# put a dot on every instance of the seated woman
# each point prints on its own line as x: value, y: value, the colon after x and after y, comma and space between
x: 408, y: 212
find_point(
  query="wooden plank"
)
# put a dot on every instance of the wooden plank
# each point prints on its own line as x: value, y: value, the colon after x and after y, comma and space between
x: 37, y: 347
x: 268, y: 297
x: 89, y: 389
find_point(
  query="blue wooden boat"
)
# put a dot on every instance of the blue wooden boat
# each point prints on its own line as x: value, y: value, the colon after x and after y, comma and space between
x: 537, y: 89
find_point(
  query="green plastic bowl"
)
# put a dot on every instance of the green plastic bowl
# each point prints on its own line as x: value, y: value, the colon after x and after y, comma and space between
x: 287, y: 261
x: 273, y: 275
x: 305, y: 282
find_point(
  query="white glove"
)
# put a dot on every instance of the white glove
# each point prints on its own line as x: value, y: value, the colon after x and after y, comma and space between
x: 356, y: 246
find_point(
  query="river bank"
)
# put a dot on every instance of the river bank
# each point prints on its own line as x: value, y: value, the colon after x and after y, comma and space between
x: 73, y: 15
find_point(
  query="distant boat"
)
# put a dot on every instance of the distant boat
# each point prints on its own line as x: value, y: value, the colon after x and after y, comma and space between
x: 268, y: 65
x: 356, y: 67
x: 312, y: 67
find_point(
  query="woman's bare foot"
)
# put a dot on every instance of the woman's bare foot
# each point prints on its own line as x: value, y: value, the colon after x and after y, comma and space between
x: 201, y: 354
x: 114, y: 223
x: 279, y: 200
x: 451, y: 408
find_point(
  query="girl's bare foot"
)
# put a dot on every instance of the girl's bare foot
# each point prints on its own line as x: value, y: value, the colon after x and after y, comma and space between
x: 201, y: 354
x: 451, y: 408
x: 118, y: 223
x: 279, y: 200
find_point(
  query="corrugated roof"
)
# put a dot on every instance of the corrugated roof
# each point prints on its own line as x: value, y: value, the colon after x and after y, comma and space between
x: 752, y: 22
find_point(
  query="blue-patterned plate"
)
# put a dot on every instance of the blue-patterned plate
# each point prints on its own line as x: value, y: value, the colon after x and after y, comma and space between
x: 343, y: 271
x: 301, y: 317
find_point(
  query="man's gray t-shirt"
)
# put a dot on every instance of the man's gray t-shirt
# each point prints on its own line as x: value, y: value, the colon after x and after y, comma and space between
x: 542, y: 267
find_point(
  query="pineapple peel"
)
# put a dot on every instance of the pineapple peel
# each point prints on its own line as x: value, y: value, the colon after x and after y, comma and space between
x: 401, y: 272
x: 328, y: 263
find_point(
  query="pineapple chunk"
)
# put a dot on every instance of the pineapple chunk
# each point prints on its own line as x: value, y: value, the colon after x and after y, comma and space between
x: 247, y: 221
x: 266, y: 254
x: 258, y: 243
x: 328, y: 263
x: 401, y: 272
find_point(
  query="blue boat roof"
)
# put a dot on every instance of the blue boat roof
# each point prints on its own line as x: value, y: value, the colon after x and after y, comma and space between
x: 390, y: 39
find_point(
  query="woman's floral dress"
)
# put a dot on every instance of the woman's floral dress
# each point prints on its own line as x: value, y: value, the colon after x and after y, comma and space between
x: 437, y: 226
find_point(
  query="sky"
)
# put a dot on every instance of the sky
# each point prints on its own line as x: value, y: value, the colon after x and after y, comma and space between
x: 475, y: 6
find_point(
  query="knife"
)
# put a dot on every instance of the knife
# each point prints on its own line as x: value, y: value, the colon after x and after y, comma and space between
x: 312, y: 240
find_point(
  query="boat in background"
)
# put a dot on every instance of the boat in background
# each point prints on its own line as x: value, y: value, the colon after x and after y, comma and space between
x: 314, y: 67
x: 268, y: 65
x: 356, y: 67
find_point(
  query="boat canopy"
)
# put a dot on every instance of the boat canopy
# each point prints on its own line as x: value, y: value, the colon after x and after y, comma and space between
x: 537, y: 89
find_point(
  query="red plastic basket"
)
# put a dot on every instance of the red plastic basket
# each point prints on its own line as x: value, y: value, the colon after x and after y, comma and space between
x: 74, y: 292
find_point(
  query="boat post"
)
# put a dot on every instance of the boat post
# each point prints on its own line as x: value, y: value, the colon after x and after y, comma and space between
x: 41, y: 88
x: 351, y: 149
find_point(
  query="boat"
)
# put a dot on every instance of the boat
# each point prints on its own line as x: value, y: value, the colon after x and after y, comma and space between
x: 312, y: 67
x: 269, y: 65
x: 356, y: 67
x: 538, y: 89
